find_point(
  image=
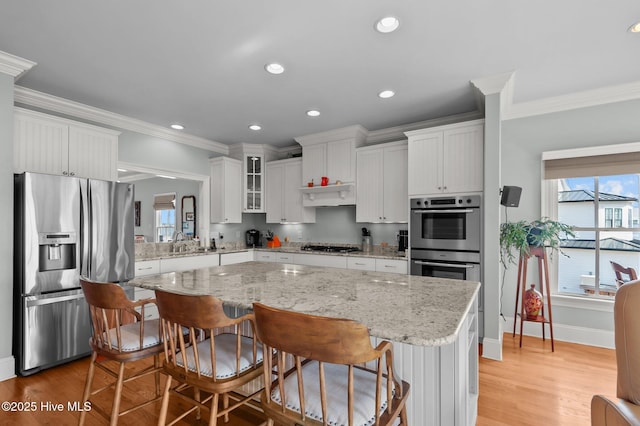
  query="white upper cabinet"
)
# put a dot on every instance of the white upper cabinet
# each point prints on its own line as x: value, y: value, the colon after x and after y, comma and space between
x: 382, y: 183
x: 253, y: 184
x: 284, y: 198
x: 226, y: 190
x: 446, y: 159
x: 330, y: 154
x: 253, y: 158
x: 48, y: 144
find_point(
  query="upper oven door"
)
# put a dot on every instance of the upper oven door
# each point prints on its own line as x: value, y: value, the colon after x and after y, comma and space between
x: 446, y: 228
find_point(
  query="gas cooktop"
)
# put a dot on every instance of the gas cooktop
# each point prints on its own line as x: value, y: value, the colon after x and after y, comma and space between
x: 330, y: 249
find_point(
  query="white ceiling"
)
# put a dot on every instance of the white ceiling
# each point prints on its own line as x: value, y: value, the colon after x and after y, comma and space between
x: 201, y: 62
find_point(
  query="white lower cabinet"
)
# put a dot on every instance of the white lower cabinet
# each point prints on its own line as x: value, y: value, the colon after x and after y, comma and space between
x: 264, y: 256
x: 285, y: 258
x: 236, y: 257
x: 150, y: 310
x: 147, y: 267
x: 186, y: 263
x: 320, y: 260
x: 361, y: 263
x: 392, y: 265
x: 398, y: 266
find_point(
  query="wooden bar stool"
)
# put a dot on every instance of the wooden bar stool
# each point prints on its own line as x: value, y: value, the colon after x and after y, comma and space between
x: 205, y: 350
x: 326, y: 372
x: 120, y: 334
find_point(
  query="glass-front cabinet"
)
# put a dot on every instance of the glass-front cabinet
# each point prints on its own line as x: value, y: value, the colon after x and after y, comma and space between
x: 254, y: 178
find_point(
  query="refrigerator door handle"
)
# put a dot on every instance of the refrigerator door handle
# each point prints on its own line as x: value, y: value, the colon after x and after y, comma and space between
x: 85, y: 223
x: 33, y: 301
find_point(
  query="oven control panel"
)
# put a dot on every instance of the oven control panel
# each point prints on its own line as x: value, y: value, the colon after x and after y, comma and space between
x: 458, y: 201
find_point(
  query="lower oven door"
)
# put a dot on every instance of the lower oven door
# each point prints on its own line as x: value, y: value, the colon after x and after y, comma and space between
x: 454, y: 270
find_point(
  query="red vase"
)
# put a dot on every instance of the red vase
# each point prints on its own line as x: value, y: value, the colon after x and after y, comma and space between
x: 532, y: 302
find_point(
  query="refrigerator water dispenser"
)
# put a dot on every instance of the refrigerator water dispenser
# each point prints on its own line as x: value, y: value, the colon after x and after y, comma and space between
x: 56, y: 251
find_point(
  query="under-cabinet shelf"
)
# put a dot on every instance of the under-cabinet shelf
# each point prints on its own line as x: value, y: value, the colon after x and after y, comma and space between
x: 343, y: 189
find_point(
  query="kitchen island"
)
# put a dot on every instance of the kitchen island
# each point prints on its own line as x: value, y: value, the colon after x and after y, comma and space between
x: 432, y: 321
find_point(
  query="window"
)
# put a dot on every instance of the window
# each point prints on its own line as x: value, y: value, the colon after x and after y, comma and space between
x: 617, y: 218
x: 602, y: 206
x: 165, y: 209
x: 608, y: 218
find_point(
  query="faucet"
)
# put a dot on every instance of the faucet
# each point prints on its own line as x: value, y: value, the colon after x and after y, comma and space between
x: 177, y: 237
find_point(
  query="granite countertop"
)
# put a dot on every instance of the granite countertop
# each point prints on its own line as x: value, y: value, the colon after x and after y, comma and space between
x: 422, y: 311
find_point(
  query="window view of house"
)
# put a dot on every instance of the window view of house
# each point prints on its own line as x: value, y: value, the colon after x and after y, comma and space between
x: 604, y: 213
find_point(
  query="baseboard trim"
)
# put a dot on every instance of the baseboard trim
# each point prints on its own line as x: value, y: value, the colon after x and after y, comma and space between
x: 567, y: 333
x: 492, y: 349
x: 7, y: 368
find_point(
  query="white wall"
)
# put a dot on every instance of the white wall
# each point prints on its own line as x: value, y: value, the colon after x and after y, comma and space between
x: 523, y: 141
x: 6, y: 225
x: 158, y: 153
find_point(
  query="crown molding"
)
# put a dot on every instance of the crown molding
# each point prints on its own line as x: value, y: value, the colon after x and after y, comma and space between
x: 356, y: 132
x: 15, y: 66
x: 585, y: 99
x: 501, y: 84
x: 398, y: 132
x: 75, y: 109
x: 152, y: 171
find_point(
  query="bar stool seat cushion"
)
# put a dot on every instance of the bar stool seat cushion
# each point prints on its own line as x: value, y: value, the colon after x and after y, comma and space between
x: 225, y: 356
x: 336, y: 379
x: 130, y: 334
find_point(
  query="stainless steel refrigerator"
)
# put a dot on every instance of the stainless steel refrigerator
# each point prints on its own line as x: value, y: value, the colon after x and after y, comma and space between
x: 65, y: 227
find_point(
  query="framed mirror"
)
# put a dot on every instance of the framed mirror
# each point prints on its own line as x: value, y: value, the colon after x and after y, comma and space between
x: 189, y: 222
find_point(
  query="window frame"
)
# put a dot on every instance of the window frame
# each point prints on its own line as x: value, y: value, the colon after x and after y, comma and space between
x: 549, y: 208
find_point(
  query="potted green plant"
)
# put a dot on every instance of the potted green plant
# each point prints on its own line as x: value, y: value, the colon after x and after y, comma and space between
x: 516, y: 238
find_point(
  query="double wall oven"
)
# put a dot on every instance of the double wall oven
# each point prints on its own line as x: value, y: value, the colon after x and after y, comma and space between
x: 446, y: 236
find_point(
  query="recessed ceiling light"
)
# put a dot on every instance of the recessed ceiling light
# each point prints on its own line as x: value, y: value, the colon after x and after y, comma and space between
x: 274, y: 68
x: 177, y: 126
x: 387, y: 24
x: 255, y: 127
x: 385, y: 94
x: 635, y: 28
x: 313, y: 113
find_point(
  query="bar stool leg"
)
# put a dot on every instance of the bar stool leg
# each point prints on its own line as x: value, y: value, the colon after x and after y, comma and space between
x: 87, y: 386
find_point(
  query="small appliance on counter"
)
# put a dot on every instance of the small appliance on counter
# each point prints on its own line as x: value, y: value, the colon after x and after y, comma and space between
x: 403, y: 240
x: 367, y: 245
x: 253, y: 238
x: 272, y: 240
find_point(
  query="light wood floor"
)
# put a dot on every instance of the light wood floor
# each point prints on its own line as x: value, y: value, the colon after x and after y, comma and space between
x: 531, y: 386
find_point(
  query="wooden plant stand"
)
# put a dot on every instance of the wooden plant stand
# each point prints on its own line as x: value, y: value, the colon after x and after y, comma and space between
x: 543, y: 274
